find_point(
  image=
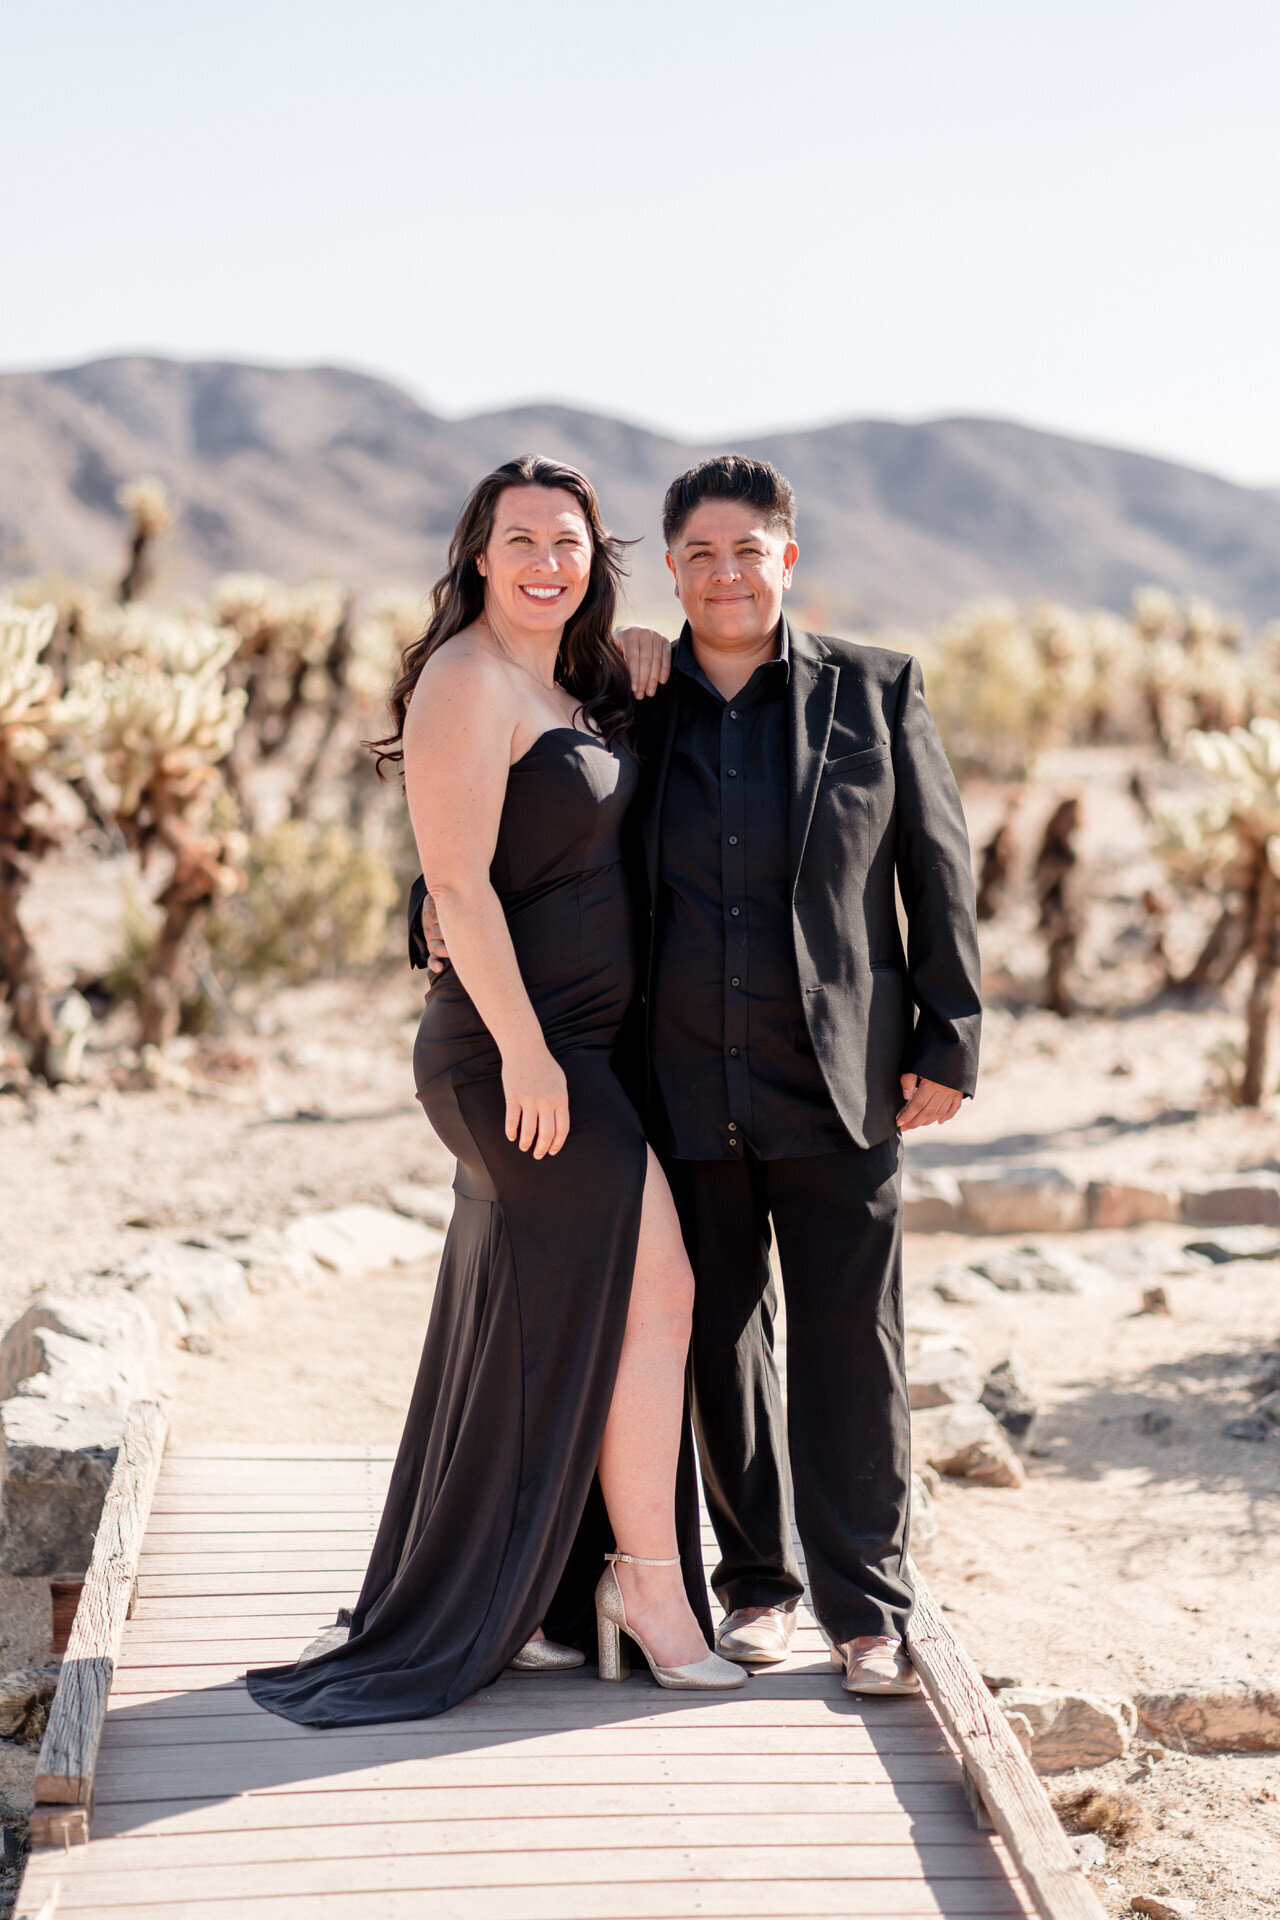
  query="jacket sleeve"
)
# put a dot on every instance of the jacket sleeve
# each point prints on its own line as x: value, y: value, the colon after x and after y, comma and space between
x: 936, y: 882
x: 418, y: 955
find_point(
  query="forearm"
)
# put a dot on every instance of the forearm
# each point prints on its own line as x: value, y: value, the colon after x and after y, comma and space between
x: 476, y: 933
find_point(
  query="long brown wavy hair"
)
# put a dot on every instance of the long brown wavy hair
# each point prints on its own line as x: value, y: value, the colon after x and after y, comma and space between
x: 589, y: 665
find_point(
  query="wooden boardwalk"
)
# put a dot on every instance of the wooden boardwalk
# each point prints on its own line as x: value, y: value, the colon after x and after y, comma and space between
x: 554, y: 1798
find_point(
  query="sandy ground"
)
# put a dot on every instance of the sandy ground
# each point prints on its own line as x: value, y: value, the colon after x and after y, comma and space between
x: 1131, y: 1558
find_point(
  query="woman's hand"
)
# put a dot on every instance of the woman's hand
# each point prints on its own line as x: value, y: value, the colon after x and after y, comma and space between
x: 537, y: 1101
x: 648, y: 658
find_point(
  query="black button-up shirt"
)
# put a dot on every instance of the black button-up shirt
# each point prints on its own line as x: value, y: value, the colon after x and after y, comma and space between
x: 731, y: 1052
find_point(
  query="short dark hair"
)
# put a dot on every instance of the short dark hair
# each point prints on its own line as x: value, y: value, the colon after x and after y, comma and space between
x: 730, y: 476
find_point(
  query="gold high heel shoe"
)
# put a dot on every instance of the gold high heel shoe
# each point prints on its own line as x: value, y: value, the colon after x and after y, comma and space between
x: 712, y: 1675
x: 546, y: 1656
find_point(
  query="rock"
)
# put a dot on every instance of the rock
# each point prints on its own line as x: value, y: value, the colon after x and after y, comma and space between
x: 1160, y: 1906
x: 267, y: 1258
x: 1070, y: 1729
x: 80, y: 1346
x: 1237, y: 1243
x: 361, y: 1239
x: 58, y: 1461
x: 20, y: 1695
x: 1044, y: 1269
x: 945, y: 1379
x: 924, y: 1517
x: 1006, y: 1393
x: 1153, y: 1420
x: 1146, y: 1259
x: 1090, y: 1850
x: 1223, y: 1716
x: 966, y: 1443
x: 187, y: 1286
x: 945, y: 1342
x: 325, y: 1642
x: 931, y: 1203
x: 1269, y: 1408
x: 434, y: 1205
x: 17, y: 1777
x: 1022, y: 1200
x: 1155, y: 1300
x: 1250, y: 1426
x: 1236, y: 1199
x: 1111, y: 1204
x: 962, y: 1286
x: 995, y: 1682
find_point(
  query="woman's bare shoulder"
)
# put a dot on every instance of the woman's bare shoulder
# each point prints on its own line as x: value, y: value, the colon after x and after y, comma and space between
x: 466, y: 667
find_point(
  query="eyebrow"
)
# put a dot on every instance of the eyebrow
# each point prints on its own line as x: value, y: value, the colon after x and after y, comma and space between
x: 519, y: 527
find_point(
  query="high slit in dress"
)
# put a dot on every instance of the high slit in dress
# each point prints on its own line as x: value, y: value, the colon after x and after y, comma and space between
x: 494, y: 1523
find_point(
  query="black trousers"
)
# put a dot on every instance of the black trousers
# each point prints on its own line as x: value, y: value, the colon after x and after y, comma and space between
x: 845, y: 1431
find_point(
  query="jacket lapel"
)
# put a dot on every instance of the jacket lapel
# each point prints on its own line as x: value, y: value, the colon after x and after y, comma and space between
x: 812, y: 702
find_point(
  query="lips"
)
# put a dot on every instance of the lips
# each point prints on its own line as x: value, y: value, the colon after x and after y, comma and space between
x: 545, y: 595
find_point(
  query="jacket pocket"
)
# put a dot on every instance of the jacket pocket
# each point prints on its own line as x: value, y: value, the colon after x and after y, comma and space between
x: 866, y: 757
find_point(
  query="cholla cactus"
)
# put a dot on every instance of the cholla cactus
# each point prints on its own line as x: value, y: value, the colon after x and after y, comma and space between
x: 292, y: 647
x: 173, y: 642
x: 34, y: 719
x: 1231, y: 842
x: 1193, y: 671
x: 150, y: 514
x: 159, y: 737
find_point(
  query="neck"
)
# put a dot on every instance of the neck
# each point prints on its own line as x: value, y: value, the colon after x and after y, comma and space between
x: 536, y: 651
x: 729, y: 665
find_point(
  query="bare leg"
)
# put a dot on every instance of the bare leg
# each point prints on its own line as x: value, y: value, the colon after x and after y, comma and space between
x: 642, y: 1436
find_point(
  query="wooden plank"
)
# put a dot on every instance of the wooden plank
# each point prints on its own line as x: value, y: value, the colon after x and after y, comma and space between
x: 300, y: 1580
x: 857, y: 1899
x: 553, y: 1827
x: 64, y: 1770
x: 183, y: 1450
x: 198, y: 1505
x: 290, y: 1525
x: 248, y: 1544
x: 462, y: 1866
x: 160, y: 1565
x: 468, y: 1794
x: 1010, y: 1788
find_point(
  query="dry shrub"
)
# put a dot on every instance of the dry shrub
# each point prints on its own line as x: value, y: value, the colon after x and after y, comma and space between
x: 1109, y: 1811
x: 316, y: 900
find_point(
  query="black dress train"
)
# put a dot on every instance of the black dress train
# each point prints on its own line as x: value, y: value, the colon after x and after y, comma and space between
x: 494, y: 1522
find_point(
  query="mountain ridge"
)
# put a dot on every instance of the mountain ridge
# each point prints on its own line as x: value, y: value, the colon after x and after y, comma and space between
x: 322, y: 470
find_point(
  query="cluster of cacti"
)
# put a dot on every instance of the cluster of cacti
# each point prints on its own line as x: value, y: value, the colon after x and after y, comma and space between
x: 1229, y: 843
x: 1006, y: 682
x: 33, y: 721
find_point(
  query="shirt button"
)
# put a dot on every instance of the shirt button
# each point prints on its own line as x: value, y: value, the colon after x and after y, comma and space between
x: 735, y: 911
x: 731, y: 773
x: 733, y: 839
x: 733, y: 1052
x: 735, y: 982
x: 733, y: 1126
x: 733, y: 713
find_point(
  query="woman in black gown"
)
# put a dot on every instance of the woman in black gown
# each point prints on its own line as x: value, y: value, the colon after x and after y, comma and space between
x: 548, y: 1419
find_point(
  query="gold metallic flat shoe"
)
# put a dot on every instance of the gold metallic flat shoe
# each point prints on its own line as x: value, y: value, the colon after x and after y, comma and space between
x: 712, y: 1675
x: 546, y: 1656
x: 759, y: 1642
x: 875, y: 1663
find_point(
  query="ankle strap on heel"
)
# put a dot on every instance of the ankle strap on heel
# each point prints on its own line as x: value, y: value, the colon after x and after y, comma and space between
x: 638, y: 1560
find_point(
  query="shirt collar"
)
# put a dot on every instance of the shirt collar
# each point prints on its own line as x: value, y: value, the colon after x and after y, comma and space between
x: 685, y: 659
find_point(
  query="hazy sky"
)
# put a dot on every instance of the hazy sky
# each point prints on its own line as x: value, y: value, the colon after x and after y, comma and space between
x: 707, y: 215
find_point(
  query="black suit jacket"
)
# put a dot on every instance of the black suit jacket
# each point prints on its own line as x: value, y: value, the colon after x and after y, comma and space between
x: 872, y: 801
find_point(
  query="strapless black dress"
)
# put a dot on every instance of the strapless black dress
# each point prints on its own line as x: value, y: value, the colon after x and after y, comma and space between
x: 494, y: 1522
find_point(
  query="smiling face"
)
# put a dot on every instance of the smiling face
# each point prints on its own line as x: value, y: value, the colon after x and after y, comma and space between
x: 537, y: 563
x: 731, y: 571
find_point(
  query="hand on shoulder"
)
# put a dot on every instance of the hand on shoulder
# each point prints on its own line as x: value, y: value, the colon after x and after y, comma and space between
x: 648, y: 658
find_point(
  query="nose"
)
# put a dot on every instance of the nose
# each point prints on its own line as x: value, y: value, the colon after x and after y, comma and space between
x: 725, y: 570
x: 545, y: 559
